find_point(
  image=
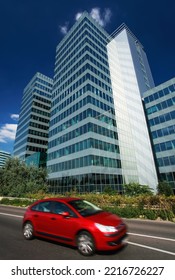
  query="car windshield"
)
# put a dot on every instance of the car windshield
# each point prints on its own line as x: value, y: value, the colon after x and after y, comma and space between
x: 84, y: 207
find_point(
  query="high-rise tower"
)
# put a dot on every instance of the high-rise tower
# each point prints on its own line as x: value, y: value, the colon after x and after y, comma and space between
x: 33, y: 125
x: 130, y: 77
x: 83, y: 141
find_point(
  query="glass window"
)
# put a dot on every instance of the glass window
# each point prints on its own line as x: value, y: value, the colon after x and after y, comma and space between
x: 162, y: 147
x: 156, y: 95
x: 168, y: 145
x: 171, y: 129
x: 173, y: 115
x: 164, y: 105
x: 162, y: 119
x: 154, y: 134
x: 167, y: 117
x: 151, y: 122
x: 164, y: 131
x: 166, y: 161
x: 85, y: 208
x: 166, y: 91
x: 160, y: 162
x: 151, y: 98
x: 156, y: 120
x: 42, y: 207
x: 172, y: 160
x: 171, y: 88
x: 60, y: 208
x: 169, y: 102
x: 161, y: 93
x: 157, y: 148
x: 146, y: 100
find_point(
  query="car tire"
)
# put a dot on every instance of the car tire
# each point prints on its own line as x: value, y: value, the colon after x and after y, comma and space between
x: 85, y: 243
x: 28, y: 231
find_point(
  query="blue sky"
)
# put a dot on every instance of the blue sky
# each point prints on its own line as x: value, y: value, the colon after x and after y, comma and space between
x: 31, y: 29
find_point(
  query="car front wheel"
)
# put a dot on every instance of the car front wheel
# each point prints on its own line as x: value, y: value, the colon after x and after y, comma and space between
x: 85, y: 243
x: 28, y: 231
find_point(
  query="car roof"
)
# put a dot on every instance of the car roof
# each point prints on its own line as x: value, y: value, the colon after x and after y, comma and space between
x: 63, y: 199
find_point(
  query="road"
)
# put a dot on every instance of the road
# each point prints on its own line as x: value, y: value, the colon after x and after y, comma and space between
x: 148, y: 240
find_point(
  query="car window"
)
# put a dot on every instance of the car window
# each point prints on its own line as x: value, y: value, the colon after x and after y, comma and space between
x: 85, y: 208
x: 59, y: 208
x: 42, y: 206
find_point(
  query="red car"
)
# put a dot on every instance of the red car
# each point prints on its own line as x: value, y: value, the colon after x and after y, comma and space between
x: 76, y: 222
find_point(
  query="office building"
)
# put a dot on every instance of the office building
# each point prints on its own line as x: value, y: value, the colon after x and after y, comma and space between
x: 96, y: 119
x: 130, y: 77
x: 33, y: 125
x: 160, y: 110
x: 3, y: 157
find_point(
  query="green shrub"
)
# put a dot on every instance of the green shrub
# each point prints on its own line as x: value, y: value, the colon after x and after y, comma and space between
x: 166, y: 215
x: 16, y: 202
x: 149, y: 214
x: 126, y: 212
x: 164, y: 188
x: 5, y: 201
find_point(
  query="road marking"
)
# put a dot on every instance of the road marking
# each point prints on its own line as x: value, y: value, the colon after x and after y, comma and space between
x: 152, y: 236
x: 151, y: 248
x: 12, y: 215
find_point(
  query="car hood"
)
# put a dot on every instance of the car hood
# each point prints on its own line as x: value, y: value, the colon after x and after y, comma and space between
x: 105, y: 218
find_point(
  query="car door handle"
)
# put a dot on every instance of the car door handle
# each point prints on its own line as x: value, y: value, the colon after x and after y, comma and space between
x: 36, y: 216
x: 53, y: 218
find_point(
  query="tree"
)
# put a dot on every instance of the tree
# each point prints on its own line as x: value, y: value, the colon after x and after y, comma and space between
x: 164, y: 187
x: 108, y: 190
x: 17, y: 179
x: 133, y: 189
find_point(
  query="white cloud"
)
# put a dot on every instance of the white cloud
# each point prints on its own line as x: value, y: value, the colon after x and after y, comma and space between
x: 101, y: 18
x: 107, y: 15
x: 7, y: 132
x: 95, y: 14
x: 64, y: 28
x: 14, y: 117
x: 78, y: 15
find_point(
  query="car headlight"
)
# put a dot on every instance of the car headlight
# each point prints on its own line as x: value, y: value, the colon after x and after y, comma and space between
x: 103, y: 228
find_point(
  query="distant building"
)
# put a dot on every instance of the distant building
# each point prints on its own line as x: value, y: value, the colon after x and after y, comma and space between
x: 33, y: 125
x: 98, y: 135
x: 3, y: 157
x: 160, y: 109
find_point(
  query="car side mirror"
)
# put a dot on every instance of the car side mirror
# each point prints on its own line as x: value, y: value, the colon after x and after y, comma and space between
x: 65, y: 214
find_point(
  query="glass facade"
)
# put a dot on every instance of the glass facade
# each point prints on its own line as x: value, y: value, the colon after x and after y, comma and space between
x: 37, y: 159
x: 131, y: 76
x: 160, y: 110
x: 33, y: 125
x: 83, y: 150
x: 3, y: 157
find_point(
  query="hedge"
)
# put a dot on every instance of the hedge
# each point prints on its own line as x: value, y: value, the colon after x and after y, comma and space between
x: 145, y: 207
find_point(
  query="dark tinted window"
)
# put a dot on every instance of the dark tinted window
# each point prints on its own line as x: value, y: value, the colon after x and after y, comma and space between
x: 42, y: 206
x: 60, y: 208
x: 84, y: 207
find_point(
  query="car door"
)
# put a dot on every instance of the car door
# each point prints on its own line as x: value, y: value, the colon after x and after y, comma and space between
x: 42, y: 218
x: 64, y: 226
